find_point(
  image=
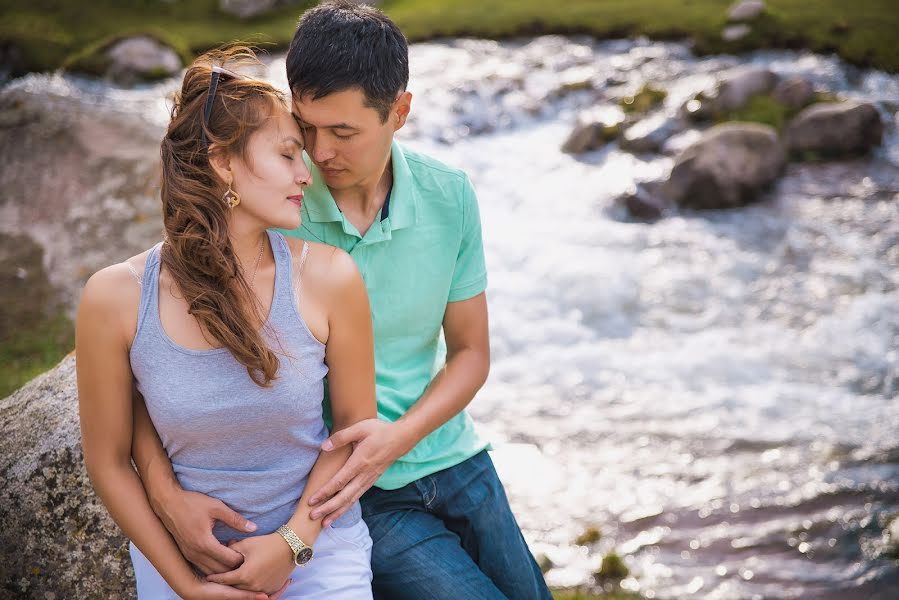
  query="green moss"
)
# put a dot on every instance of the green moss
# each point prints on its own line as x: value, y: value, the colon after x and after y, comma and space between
x: 591, y: 535
x: 35, y: 332
x: 612, y: 569
x: 761, y: 109
x: 644, y: 100
x: 28, y: 353
x: 50, y: 32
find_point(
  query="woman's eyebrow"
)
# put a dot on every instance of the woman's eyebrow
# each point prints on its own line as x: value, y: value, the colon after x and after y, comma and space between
x: 294, y: 140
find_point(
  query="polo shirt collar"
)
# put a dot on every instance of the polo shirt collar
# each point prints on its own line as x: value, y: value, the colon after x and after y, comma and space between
x: 404, y: 197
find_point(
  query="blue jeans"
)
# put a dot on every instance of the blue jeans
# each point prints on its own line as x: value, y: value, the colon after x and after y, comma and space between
x: 450, y: 535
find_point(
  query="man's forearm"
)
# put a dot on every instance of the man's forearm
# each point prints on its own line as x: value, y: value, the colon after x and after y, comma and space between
x: 150, y: 459
x: 451, y: 390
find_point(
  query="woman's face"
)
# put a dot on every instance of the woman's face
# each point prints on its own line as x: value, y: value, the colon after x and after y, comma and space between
x: 271, y: 180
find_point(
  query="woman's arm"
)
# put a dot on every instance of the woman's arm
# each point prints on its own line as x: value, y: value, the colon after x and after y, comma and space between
x: 188, y: 516
x: 104, y: 396
x: 349, y: 354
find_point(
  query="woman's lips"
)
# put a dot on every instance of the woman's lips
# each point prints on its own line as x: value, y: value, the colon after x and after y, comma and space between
x: 298, y: 199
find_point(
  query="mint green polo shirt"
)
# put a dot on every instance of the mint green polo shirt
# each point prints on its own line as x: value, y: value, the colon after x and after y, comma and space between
x: 425, y: 253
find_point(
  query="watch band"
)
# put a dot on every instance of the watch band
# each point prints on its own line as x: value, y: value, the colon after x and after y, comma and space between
x: 302, y: 553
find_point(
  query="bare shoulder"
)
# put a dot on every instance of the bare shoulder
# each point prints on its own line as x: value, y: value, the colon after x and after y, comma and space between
x: 329, y: 268
x: 115, y: 290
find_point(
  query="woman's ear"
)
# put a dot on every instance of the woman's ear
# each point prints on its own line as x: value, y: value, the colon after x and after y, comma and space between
x: 220, y: 162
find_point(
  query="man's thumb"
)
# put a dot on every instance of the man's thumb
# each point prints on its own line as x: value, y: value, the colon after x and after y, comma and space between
x: 233, y: 519
x: 342, y: 438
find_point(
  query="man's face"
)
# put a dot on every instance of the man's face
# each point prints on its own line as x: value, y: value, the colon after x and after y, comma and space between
x: 345, y: 138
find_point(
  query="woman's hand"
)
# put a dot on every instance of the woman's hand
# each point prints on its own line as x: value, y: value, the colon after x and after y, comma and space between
x: 267, y: 564
x: 206, y: 590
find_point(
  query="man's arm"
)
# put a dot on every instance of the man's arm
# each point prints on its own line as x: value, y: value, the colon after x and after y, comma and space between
x: 379, y: 443
x: 189, y: 516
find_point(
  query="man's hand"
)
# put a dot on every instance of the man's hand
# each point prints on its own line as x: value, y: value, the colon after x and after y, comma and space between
x: 267, y: 565
x: 377, y: 445
x: 189, y: 517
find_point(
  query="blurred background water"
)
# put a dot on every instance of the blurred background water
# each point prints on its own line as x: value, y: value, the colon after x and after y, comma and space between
x: 717, y: 392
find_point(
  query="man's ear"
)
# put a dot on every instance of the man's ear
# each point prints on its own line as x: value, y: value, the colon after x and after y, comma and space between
x: 220, y: 162
x: 400, y: 110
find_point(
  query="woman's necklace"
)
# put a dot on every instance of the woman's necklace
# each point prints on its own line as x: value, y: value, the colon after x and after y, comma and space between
x: 258, y: 258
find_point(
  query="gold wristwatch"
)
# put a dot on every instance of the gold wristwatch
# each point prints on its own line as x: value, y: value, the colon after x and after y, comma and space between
x: 302, y: 553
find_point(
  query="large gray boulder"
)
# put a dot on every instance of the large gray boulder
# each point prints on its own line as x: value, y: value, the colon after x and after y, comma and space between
x: 729, y: 166
x: 56, y: 538
x: 80, y: 183
x: 141, y: 58
x: 834, y: 130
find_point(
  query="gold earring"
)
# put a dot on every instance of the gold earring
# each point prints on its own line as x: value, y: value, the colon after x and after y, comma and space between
x: 231, y: 198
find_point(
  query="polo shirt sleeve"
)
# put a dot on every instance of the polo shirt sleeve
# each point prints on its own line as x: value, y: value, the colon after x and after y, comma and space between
x: 470, y: 273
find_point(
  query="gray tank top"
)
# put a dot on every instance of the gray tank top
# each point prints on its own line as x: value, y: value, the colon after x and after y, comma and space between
x: 251, y: 447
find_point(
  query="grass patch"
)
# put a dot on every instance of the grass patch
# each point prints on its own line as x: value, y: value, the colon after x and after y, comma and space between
x: 35, y: 332
x: 50, y: 33
x: 27, y: 354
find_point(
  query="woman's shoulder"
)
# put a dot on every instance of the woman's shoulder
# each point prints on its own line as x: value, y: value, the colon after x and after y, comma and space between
x: 116, y: 286
x: 325, y: 267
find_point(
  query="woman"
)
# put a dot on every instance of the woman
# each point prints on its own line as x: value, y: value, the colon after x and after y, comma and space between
x: 227, y: 330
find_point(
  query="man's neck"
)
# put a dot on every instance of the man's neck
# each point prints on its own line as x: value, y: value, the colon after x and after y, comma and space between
x: 362, y: 204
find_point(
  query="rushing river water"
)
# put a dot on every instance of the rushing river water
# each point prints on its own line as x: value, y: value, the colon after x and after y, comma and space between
x: 717, y: 392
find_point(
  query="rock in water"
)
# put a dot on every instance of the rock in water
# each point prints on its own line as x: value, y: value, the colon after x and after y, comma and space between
x: 56, y: 537
x: 832, y: 130
x: 794, y: 92
x: 649, y: 134
x: 729, y: 166
x: 739, y: 85
x: 593, y: 130
x: 736, y: 87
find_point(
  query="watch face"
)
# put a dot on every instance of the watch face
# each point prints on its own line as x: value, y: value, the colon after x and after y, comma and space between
x: 304, y: 556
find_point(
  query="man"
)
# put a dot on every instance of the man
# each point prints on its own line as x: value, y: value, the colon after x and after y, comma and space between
x: 438, y: 516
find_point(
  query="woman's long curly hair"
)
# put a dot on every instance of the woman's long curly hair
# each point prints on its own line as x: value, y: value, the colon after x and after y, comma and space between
x: 198, y: 251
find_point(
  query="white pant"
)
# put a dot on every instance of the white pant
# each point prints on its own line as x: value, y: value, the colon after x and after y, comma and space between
x: 340, y: 569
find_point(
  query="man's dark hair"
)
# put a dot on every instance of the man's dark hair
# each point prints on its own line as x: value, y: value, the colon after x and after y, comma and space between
x: 340, y: 45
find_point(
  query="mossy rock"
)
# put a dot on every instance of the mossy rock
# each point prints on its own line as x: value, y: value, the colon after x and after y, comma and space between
x: 644, y: 100
x: 591, y: 535
x: 612, y: 569
x: 544, y: 562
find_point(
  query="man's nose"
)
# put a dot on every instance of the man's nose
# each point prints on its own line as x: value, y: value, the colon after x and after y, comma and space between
x: 322, y: 150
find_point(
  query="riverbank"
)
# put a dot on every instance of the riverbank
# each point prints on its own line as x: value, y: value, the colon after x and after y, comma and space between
x: 45, y: 35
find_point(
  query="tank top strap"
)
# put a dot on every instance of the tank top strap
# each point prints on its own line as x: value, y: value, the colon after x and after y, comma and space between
x: 149, y: 284
x: 283, y: 270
